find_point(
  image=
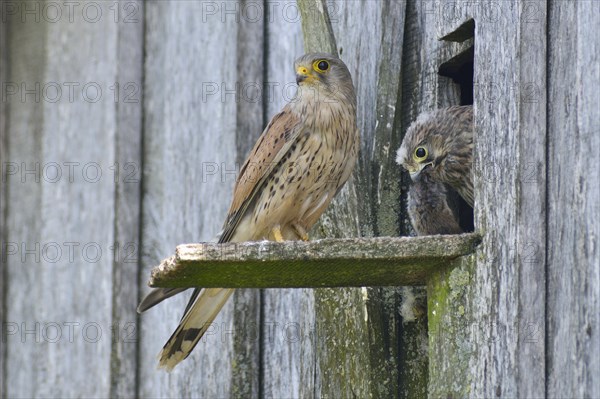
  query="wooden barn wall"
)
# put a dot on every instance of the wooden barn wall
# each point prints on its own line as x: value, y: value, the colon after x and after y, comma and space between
x: 189, y: 146
x: 508, y: 315
x: 70, y: 226
x: 3, y: 154
x: 197, y: 81
x: 573, y: 257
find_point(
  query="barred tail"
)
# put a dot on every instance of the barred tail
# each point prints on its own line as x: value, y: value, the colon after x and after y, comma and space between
x: 193, y: 325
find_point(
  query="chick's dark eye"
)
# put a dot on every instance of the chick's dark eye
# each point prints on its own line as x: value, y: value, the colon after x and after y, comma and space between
x: 323, y: 65
x: 420, y: 152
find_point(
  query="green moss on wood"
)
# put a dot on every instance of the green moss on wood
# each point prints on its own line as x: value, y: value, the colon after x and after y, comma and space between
x: 341, y: 334
x: 449, y: 304
x: 316, y: 27
x: 357, y: 262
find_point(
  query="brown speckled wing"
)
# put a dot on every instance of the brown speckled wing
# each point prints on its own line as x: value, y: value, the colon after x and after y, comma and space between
x: 272, y: 145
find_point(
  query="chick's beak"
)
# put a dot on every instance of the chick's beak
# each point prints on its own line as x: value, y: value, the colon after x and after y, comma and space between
x: 415, y: 175
x: 301, y: 74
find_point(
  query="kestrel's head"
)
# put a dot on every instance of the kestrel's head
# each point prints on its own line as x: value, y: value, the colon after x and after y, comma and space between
x: 324, y: 72
x: 440, y: 144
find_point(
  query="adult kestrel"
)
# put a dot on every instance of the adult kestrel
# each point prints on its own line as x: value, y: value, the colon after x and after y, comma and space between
x: 299, y: 163
x: 440, y: 144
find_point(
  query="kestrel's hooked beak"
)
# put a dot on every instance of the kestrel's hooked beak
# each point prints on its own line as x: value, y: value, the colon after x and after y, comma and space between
x: 415, y: 175
x: 301, y: 74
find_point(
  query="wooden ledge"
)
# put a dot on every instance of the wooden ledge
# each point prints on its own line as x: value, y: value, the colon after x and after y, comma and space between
x: 350, y: 262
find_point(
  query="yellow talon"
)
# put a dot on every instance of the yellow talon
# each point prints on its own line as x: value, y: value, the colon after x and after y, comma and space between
x: 277, y: 236
x: 301, y: 232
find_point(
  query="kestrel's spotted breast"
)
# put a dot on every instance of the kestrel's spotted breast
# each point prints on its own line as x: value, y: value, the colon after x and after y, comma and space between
x: 297, y: 166
x: 305, y: 155
x: 319, y: 160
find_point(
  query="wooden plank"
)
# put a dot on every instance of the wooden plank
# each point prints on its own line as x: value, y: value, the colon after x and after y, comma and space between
x: 530, y: 201
x: 3, y: 158
x: 316, y: 26
x: 127, y: 200
x: 288, y: 366
x: 573, y: 255
x: 60, y: 204
x: 190, y: 133
x: 510, y: 158
x: 249, y: 119
x: 352, y: 262
x: 450, y: 306
x: 24, y: 117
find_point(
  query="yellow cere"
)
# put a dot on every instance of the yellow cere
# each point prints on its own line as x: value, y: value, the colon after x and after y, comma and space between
x: 302, y: 70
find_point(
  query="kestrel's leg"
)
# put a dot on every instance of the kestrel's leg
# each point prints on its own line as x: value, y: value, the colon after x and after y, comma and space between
x: 301, y: 231
x: 276, y: 233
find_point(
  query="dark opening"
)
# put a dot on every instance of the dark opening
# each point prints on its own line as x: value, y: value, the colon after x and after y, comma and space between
x: 460, y: 69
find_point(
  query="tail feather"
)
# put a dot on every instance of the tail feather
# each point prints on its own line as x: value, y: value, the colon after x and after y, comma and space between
x: 196, y: 320
x: 156, y: 296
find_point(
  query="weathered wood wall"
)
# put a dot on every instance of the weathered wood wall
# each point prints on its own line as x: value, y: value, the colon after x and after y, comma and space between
x: 573, y: 172
x: 189, y: 144
x: 510, y: 121
x: 70, y: 221
x: 519, y: 318
x: 3, y: 138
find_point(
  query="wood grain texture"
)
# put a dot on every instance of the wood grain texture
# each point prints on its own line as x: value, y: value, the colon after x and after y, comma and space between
x: 510, y: 158
x: 249, y: 124
x: 127, y: 201
x: 317, y: 31
x: 23, y: 226
x: 61, y: 300
x: 4, y: 62
x: 573, y: 254
x: 450, y: 329
x: 190, y: 134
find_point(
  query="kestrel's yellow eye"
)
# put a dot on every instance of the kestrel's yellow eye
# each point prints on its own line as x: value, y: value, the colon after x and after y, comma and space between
x: 321, y: 66
x: 420, y: 153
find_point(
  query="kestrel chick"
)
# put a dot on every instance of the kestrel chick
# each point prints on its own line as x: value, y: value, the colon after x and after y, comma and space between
x: 429, y: 210
x: 440, y: 144
x: 299, y: 163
